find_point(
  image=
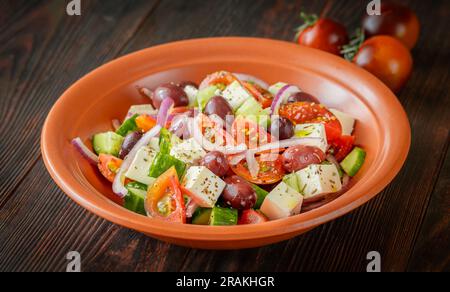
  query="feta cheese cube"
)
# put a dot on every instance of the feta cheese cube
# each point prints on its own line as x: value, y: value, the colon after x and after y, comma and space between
x: 313, y: 131
x: 282, y: 202
x: 188, y: 151
x: 319, y: 179
x: 140, y: 167
x: 347, y: 122
x: 205, y: 186
x: 236, y: 95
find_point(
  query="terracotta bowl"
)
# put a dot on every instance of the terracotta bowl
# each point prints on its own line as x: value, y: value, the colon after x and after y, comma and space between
x: 90, y: 104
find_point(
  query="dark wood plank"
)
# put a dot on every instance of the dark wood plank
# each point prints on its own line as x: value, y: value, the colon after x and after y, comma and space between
x: 431, y: 250
x: 41, y: 54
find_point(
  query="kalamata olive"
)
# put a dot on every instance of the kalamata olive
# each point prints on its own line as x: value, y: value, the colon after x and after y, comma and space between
x: 299, y: 157
x: 302, y: 96
x: 128, y: 143
x: 170, y: 91
x: 282, y: 128
x: 218, y: 106
x: 184, y: 84
x: 216, y: 162
x: 239, y: 194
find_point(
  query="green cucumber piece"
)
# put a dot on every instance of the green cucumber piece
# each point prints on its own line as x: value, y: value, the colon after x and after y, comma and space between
x: 292, y: 181
x: 205, y: 95
x: 202, y: 216
x: 260, y: 195
x: 354, y: 161
x: 128, y: 126
x: 138, y: 186
x: 135, y: 199
x: 107, y: 143
x: 164, y: 162
x: 223, y: 217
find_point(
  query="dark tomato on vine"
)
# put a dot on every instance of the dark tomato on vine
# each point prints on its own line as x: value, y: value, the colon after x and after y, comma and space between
x: 271, y: 171
x: 342, y: 147
x: 323, y: 34
x: 386, y: 58
x: 307, y: 112
x: 395, y: 20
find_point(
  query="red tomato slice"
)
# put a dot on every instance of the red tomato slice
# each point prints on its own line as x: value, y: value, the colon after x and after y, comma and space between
x: 145, y: 122
x: 307, y: 112
x: 109, y: 166
x: 221, y: 77
x: 251, y: 217
x: 270, y: 172
x: 249, y: 133
x: 164, y: 199
x: 342, y: 147
x: 264, y: 97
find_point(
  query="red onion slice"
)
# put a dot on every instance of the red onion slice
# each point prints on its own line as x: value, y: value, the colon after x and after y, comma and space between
x: 286, y: 144
x: 85, y: 151
x: 118, y: 185
x: 163, y: 114
x: 281, y: 97
x: 253, y: 165
x: 252, y: 79
x: 191, y: 207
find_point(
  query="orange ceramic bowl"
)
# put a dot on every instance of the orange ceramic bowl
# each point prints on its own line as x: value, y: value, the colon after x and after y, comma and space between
x: 90, y: 104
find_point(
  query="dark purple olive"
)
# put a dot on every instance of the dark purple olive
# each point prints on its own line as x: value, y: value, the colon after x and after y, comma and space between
x: 218, y: 106
x: 282, y: 128
x: 128, y: 143
x: 172, y: 91
x: 217, y: 162
x: 299, y: 157
x: 239, y: 194
x: 302, y: 96
x: 184, y: 84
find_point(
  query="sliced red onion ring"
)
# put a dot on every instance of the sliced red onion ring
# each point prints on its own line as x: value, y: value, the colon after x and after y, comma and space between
x: 180, y: 126
x: 236, y: 159
x: 163, y: 114
x: 286, y: 144
x: 118, y: 187
x: 116, y: 124
x: 282, y: 96
x: 85, y: 151
x: 191, y: 207
x: 252, y: 79
x: 253, y: 165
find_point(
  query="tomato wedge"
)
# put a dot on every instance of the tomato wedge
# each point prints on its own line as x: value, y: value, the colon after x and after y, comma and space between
x: 308, y: 112
x: 109, y: 166
x: 245, y: 131
x: 264, y: 97
x: 164, y: 199
x: 270, y: 172
x: 342, y: 147
x: 145, y: 122
x: 251, y: 217
x: 221, y: 77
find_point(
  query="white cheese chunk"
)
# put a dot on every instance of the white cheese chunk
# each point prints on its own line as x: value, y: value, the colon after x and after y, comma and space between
x: 191, y: 93
x: 154, y: 144
x: 140, y: 167
x: 188, y: 151
x: 313, y: 131
x: 282, y: 202
x: 236, y: 95
x: 347, y: 122
x: 319, y: 179
x: 204, y: 186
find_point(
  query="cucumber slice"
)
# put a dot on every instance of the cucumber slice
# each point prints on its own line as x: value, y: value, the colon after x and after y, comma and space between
x: 205, y: 95
x: 164, y: 162
x: 128, y: 126
x: 260, y: 195
x: 354, y: 161
x: 201, y: 216
x: 223, y: 217
x: 135, y: 200
x: 107, y: 143
x: 292, y: 181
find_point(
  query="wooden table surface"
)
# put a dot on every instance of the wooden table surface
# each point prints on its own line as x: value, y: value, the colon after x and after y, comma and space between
x: 43, y: 51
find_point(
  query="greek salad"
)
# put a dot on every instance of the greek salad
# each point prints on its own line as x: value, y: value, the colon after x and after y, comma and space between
x: 232, y: 151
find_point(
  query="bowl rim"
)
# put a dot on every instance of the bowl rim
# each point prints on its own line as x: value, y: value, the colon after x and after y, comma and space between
x: 341, y: 206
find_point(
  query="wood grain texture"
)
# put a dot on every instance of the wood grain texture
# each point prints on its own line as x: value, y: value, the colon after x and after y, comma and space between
x: 408, y: 223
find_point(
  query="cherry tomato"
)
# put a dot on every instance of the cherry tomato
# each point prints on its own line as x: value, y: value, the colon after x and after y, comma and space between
x: 307, y: 112
x: 395, y: 20
x: 247, y: 132
x: 251, y: 217
x: 164, y: 199
x: 342, y: 147
x: 270, y: 172
x: 323, y: 34
x: 109, y: 166
x: 386, y: 58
